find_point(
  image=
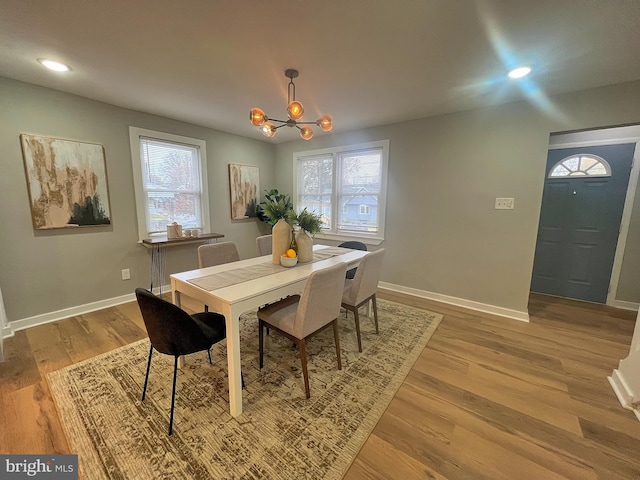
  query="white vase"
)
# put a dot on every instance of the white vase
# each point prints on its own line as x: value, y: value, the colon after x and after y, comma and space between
x: 280, y: 240
x: 305, y: 246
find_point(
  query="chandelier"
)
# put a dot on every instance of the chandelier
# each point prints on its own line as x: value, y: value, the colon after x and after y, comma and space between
x: 295, y: 110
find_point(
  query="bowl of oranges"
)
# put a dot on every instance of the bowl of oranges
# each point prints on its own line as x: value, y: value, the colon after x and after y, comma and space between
x: 289, y: 258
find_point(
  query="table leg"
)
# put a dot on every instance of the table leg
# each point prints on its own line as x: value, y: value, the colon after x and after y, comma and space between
x: 175, y: 297
x: 233, y: 359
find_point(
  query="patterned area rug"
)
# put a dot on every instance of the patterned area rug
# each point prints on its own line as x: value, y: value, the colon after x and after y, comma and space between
x: 280, y: 435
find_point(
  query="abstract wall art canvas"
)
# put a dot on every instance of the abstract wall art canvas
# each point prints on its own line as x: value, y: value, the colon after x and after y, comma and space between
x: 67, y: 182
x: 244, y: 185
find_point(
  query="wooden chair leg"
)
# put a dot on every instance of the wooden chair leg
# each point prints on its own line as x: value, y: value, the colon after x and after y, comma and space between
x: 357, y: 318
x: 173, y: 394
x: 302, y: 347
x: 337, y: 340
x: 375, y: 312
x: 260, y: 341
x: 146, y: 378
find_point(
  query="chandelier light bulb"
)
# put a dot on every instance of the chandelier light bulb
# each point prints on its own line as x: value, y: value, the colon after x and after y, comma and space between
x: 325, y: 122
x: 306, y: 133
x: 295, y: 110
x: 268, y: 129
x: 257, y: 117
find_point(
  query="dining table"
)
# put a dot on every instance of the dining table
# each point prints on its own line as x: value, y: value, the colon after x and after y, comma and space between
x: 237, y: 287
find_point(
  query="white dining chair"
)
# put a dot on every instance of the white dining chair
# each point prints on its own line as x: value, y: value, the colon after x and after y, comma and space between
x: 362, y: 289
x: 264, y: 245
x: 214, y: 254
x: 299, y: 317
x: 217, y: 253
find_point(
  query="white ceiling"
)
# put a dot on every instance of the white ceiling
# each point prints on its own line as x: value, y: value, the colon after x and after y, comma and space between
x: 366, y: 62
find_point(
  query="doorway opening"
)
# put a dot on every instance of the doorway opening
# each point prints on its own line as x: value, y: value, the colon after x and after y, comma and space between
x: 590, y: 185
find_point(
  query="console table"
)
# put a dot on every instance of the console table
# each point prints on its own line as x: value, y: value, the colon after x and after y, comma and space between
x: 158, y: 246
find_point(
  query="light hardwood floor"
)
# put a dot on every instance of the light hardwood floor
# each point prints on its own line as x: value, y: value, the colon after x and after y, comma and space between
x: 489, y: 398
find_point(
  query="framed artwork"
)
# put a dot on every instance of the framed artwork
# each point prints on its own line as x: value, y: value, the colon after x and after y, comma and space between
x: 67, y: 182
x: 244, y: 186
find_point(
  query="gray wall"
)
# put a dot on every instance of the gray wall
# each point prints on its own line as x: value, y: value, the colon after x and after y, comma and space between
x: 443, y: 234
x: 43, y: 272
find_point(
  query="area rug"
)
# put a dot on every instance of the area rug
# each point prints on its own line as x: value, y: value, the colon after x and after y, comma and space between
x: 280, y: 435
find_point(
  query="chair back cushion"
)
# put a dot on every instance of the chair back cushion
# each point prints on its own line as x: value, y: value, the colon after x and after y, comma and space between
x: 171, y: 330
x: 354, y: 245
x: 264, y: 245
x: 365, y: 281
x: 217, y: 254
x: 320, y: 300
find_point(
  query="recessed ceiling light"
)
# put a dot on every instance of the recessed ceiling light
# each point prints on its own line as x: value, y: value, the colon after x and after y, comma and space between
x: 519, y: 72
x: 55, y: 66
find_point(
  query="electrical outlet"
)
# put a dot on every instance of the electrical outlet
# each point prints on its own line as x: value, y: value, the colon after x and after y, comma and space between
x: 504, y: 203
x: 126, y: 274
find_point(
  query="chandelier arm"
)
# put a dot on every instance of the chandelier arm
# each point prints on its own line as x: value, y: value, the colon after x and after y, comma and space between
x: 276, y: 120
x: 307, y: 123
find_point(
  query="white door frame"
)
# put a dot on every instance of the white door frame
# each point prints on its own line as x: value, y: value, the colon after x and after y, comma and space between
x: 3, y: 323
x: 626, y: 212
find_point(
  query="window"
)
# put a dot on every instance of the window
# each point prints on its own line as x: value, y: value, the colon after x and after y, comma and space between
x: 169, y: 174
x: 581, y: 166
x: 347, y: 186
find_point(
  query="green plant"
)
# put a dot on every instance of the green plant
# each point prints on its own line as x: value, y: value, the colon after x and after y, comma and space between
x: 311, y: 222
x: 275, y: 207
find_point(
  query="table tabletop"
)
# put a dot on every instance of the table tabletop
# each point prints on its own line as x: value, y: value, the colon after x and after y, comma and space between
x: 234, y: 299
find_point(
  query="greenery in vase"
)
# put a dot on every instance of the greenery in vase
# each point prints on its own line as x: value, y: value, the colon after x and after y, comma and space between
x: 308, y: 221
x: 275, y: 207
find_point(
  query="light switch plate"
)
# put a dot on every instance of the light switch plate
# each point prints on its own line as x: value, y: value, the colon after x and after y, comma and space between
x: 504, y: 203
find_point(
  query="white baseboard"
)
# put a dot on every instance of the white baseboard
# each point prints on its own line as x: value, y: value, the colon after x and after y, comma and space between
x: 622, y: 391
x: 626, y: 305
x: 6, y: 332
x: 460, y: 302
x: 23, y: 323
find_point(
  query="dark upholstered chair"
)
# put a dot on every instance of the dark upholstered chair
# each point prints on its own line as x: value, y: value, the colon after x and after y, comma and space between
x: 355, y: 246
x: 363, y: 287
x: 264, y: 245
x: 172, y: 331
x: 298, y: 317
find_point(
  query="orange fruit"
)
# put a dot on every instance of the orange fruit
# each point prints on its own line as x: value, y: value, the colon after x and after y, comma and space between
x: 291, y: 253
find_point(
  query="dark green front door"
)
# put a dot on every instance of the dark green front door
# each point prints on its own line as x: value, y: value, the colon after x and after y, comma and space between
x: 579, y: 225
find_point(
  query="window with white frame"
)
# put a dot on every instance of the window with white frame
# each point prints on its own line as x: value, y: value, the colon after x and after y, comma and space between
x: 346, y: 186
x: 170, y: 179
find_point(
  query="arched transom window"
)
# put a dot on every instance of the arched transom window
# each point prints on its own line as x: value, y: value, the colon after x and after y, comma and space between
x: 581, y: 166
